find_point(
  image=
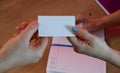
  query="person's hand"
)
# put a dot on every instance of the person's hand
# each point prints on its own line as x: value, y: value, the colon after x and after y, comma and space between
x: 34, y: 39
x: 89, y: 23
x: 24, y: 48
x: 89, y: 44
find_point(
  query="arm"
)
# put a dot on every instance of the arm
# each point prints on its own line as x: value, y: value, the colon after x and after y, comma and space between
x: 115, y: 58
x: 100, y: 23
x: 110, y: 20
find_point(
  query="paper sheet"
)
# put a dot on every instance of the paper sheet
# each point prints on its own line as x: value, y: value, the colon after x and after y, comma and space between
x: 65, y: 60
x: 56, y: 25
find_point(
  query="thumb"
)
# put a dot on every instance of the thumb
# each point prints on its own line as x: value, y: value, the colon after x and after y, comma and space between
x: 78, y: 17
x: 81, y: 18
x: 29, y: 31
x: 43, y: 44
x: 83, y: 33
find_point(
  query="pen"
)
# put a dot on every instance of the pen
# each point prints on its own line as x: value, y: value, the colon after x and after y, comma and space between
x: 62, y: 45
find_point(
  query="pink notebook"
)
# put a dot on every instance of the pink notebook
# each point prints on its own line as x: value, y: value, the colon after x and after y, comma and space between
x: 62, y: 59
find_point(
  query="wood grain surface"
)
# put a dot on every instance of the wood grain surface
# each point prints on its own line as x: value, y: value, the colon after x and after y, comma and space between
x: 14, y: 12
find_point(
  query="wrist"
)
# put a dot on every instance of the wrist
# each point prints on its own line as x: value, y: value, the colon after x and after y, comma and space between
x: 2, y: 69
x: 107, y: 54
x: 115, y: 58
x: 5, y: 63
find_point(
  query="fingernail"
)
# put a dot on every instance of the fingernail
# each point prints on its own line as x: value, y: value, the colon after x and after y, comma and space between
x: 74, y: 29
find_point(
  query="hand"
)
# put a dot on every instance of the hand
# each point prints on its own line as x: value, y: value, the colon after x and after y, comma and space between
x: 89, y: 44
x: 34, y: 39
x: 89, y: 23
x: 24, y: 48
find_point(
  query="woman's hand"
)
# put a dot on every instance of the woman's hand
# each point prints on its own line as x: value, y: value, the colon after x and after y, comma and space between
x: 89, y: 44
x: 24, y: 48
x: 89, y: 23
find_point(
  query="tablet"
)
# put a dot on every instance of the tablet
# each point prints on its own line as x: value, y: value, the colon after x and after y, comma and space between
x: 109, y: 6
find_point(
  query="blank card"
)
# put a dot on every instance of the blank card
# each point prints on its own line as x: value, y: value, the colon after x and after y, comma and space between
x: 56, y: 25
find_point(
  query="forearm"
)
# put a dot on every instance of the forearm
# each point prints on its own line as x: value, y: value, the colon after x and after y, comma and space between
x: 3, y: 69
x: 1, y: 64
x: 5, y: 64
x: 115, y: 58
x: 110, y: 20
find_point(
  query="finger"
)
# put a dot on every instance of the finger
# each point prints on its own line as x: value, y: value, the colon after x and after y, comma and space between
x: 82, y: 18
x: 15, y: 34
x: 42, y: 45
x: 83, y: 33
x: 43, y: 42
x: 35, y: 35
x: 29, y: 31
x: 35, y: 39
x: 79, y: 45
x: 74, y: 41
x: 24, y: 25
x: 78, y: 17
x: 20, y: 28
x: 33, y: 42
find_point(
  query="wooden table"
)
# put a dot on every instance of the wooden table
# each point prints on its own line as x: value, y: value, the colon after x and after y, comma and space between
x: 13, y: 12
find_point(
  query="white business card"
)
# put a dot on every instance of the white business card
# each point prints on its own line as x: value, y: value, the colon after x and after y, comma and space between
x: 56, y: 26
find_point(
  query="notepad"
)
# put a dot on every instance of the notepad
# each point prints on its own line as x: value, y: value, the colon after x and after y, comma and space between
x: 56, y: 25
x: 63, y: 59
